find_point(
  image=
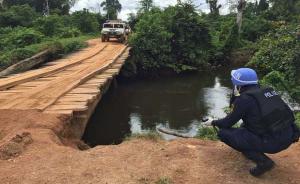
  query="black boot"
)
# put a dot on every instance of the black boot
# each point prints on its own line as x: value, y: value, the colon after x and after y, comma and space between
x: 263, y: 163
x: 262, y: 167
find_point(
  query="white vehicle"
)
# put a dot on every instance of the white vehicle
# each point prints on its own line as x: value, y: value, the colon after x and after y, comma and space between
x: 115, y: 29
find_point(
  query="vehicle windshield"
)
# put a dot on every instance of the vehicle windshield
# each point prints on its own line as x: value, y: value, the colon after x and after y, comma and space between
x: 108, y: 26
x: 119, y: 26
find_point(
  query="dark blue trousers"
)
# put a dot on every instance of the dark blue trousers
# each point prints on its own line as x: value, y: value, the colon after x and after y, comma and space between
x: 254, y: 146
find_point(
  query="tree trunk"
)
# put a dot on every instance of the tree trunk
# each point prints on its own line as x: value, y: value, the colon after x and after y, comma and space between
x: 239, y: 19
x: 27, y: 64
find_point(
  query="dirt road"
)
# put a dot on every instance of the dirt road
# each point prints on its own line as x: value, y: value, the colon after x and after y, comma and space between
x: 43, y: 158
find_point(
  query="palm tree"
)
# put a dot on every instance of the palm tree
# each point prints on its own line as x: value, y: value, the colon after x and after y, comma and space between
x: 112, y: 8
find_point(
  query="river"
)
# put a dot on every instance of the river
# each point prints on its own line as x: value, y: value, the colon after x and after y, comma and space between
x: 177, y: 103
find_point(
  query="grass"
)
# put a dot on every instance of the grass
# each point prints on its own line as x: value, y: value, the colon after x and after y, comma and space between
x: 151, y: 135
x: 207, y: 133
x: 164, y: 180
x: 59, y: 47
x: 298, y: 119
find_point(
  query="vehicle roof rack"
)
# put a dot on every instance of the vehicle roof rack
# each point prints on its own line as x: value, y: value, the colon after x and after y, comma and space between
x: 115, y: 21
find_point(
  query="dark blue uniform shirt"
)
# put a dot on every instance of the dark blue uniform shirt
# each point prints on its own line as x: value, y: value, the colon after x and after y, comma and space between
x: 245, y: 108
x: 244, y: 139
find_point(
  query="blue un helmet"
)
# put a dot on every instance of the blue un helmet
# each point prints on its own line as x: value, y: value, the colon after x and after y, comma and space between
x: 244, y: 77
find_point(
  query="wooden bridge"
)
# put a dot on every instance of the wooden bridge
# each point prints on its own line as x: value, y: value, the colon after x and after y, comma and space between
x: 71, y: 86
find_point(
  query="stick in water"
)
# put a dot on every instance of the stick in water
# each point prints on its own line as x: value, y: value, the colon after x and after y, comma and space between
x: 170, y: 132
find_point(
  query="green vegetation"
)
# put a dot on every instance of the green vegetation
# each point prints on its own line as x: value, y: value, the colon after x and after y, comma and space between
x: 26, y: 28
x: 278, y: 59
x: 208, y: 133
x: 55, y: 6
x: 179, y: 38
x: 112, y: 8
x: 298, y: 119
x: 175, y: 38
x: 164, y: 180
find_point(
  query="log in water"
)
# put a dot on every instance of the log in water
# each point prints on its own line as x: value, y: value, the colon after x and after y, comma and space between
x: 172, y: 132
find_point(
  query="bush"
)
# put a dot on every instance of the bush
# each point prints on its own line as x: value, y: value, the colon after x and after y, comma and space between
x: 279, y: 51
x: 12, y: 57
x: 50, y: 25
x: 69, y: 32
x: 255, y: 27
x: 191, y: 40
x: 22, y: 15
x: 233, y: 40
x: 20, y: 54
x: 175, y: 38
x: 151, y: 42
x: 72, y: 45
x: 58, y: 47
x: 276, y: 80
x: 278, y: 60
x: 19, y: 37
x: 85, y: 21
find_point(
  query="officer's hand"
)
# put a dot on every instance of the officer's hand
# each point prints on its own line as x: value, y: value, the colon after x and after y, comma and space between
x: 209, y: 121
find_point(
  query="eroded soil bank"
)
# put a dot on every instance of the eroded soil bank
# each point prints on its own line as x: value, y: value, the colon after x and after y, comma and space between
x: 41, y: 157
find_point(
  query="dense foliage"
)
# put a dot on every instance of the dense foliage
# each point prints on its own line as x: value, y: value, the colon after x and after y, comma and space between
x: 278, y: 59
x: 175, y: 38
x: 17, y: 16
x: 57, y: 6
x: 24, y: 30
x: 112, y: 8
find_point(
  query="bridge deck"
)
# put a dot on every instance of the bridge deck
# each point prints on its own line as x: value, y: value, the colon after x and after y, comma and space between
x: 67, y: 85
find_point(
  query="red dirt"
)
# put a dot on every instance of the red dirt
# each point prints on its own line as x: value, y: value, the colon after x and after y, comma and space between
x: 44, y: 159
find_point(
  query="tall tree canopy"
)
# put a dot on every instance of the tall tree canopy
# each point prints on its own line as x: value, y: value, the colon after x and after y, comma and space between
x: 145, y: 5
x: 112, y: 8
x: 286, y: 7
x: 61, y: 6
x: 214, y: 7
x: 263, y: 5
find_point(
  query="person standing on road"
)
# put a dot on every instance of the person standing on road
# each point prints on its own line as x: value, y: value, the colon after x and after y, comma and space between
x: 268, y: 123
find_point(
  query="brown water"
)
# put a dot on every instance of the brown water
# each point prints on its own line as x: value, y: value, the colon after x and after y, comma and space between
x: 176, y: 103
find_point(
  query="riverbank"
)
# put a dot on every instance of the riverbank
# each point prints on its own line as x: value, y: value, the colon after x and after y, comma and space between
x: 45, y: 158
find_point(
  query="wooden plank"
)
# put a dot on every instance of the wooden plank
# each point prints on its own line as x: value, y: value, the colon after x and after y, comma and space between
x: 63, y: 112
x: 84, y: 91
x: 28, y: 76
x: 104, y: 76
x: 69, y: 88
x: 72, y: 100
x: 79, y: 96
x: 97, y: 81
x: 71, y: 103
x: 96, y: 86
x: 68, y: 107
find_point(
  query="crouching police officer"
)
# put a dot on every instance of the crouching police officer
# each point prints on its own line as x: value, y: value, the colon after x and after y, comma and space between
x: 268, y: 123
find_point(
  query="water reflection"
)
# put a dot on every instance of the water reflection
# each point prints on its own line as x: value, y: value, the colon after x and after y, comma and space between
x: 216, y: 99
x: 177, y: 103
